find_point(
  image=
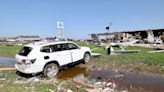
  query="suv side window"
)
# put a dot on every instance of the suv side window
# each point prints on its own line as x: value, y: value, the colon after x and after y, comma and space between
x: 59, y: 47
x: 46, y: 49
x: 72, y: 46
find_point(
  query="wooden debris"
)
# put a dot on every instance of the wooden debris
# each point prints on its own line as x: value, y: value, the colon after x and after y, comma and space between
x: 84, y: 84
x: 156, y: 51
x: 7, y: 69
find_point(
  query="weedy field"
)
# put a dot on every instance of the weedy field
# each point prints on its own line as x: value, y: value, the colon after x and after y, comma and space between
x: 8, y: 84
x: 141, y: 61
x: 9, y: 50
x: 138, y: 62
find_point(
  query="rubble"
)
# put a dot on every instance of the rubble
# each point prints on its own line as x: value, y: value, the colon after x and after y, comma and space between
x: 1, y: 86
x: 108, y: 90
x: 69, y: 90
x: 2, y: 75
x: 103, y: 85
x: 93, y: 81
x: 84, y: 84
x: 109, y: 84
x: 95, y: 54
x: 24, y: 80
x: 2, y: 79
x: 119, y: 76
x: 111, y: 50
x: 156, y: 51
x: 61, y: 89
x: 49, y: 81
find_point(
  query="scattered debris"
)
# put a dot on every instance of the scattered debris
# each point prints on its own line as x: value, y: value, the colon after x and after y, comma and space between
x: 80, y: 77
x: 103, y: 86
x: 118, y: 76
x: 50, y: 90
x: 61, y: 89
x: 69, y: 90
x: 156, y: 51
x: 49, y: 81
x: 94, y: 49
x: 1, y: 86
x: 2, y: 75
x: 93, y: 81
x: 109, y: 84
x: 111, y: 50
x: 83, y: 84
x: 95, y: 54
x: 24, y: 80
x: 2, y: 79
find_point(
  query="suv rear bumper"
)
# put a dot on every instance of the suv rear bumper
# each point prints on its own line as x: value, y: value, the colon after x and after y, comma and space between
x: 27, y: 69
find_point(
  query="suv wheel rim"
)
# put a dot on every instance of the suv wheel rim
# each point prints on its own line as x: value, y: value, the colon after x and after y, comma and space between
x: 52, y: 71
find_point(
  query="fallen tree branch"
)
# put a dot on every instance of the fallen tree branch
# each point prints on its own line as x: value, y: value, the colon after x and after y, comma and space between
x: 7, y: 69
x: 84, y: 84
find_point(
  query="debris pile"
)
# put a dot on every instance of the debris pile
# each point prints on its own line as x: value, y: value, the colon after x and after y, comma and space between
x: 104, y: 86
x: 26, y: 80
x: 111, y: 51
x: 100, y: 84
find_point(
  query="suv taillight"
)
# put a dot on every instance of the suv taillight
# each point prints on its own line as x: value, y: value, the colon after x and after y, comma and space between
x: 33, y: 61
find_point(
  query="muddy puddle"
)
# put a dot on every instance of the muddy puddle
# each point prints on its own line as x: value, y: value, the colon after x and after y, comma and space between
x: 133, y: 82
x: 6, y: 61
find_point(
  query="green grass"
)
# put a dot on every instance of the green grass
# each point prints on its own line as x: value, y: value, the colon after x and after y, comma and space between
x: 7, y: 85
x: 94, y: 48
x: 142, y: 57
x: 9, y: 51
x: 142, y: 61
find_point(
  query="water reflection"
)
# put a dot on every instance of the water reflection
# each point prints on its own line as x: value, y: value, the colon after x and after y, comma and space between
x: 6, y: 61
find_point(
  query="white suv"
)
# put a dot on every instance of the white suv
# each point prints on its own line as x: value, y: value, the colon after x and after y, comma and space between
x: 47, y: 57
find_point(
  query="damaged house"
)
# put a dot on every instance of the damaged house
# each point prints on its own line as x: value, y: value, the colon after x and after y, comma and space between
x: 147, y: 36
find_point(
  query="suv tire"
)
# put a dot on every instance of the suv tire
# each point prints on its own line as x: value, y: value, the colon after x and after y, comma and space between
x: 51, y: 70
x: 87, y: 57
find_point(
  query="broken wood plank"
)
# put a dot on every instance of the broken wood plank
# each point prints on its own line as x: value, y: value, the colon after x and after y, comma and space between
x: 7, y: 69
x: 84, y: 84
x: 156, y: 51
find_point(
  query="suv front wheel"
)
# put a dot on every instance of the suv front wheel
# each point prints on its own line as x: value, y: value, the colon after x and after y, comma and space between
x: 51, y: 70
x: 87, y: 57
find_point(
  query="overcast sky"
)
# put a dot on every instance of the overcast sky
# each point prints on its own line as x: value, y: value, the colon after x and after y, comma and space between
x: 80, y: 17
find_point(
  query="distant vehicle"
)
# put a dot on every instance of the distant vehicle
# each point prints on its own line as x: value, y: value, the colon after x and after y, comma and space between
x: 47, y: 57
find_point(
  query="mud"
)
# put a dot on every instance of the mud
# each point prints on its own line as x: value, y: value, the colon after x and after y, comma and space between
x: 131, y: 81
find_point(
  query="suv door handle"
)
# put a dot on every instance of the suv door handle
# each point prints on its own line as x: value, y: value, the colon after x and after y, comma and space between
x: 46, y: 57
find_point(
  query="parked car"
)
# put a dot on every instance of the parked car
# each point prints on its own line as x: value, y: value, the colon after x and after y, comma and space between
x: 47, y: 57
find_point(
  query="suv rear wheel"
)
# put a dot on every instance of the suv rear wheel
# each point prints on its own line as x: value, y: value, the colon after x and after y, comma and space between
x: 51, y: 70
x: 87, y: 57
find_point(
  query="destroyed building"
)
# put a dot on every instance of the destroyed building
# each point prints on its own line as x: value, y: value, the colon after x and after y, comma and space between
x: 147, y: 36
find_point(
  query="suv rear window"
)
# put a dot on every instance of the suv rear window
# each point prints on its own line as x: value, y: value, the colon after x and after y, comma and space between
x: 25, y: 51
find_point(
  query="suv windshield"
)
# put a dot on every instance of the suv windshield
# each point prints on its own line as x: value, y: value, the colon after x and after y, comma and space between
x: 25, y: 51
